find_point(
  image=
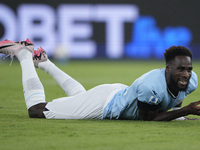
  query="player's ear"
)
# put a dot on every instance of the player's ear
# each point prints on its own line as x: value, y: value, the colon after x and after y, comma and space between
x: 167, y: 67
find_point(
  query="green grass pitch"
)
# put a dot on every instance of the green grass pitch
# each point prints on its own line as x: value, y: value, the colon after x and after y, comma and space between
x: 19, y: 132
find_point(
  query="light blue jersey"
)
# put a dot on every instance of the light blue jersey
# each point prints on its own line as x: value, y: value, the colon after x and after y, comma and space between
x: 150, y: 88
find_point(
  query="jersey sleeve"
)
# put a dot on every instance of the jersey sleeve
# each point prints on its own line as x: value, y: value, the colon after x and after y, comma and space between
x: 193, y: 83
x: 147, y: 94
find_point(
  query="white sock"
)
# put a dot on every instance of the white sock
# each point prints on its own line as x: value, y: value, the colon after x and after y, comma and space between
x: 33, y: 88
x: 67, y: 83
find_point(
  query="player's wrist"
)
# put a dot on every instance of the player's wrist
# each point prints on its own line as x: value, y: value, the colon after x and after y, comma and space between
x: 182, y: 111
x: 179, y: 118
x: 185, y: 111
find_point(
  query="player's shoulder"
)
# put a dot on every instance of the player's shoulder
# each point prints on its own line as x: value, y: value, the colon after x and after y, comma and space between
x: 153, y: 77
x: 193, y: 83
x: 153, y: 84
x: 150, y: 93
x: 194, y: 77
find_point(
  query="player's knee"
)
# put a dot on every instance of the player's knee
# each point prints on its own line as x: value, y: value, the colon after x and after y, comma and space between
x: 36, y: 111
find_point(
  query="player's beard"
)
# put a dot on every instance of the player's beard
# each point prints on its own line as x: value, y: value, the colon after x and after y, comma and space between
x: 175, y: 84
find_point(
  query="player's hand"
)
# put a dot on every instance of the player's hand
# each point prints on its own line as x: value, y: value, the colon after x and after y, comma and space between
x: 193, y: 108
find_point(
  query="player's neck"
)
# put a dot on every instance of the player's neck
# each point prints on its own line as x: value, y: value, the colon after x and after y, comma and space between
x: 171, y: 86
x: 171, y: 93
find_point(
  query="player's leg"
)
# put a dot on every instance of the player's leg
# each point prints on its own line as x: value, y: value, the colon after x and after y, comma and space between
x: 86, y: 105
x: 33, y: 88
x: 67, y: 83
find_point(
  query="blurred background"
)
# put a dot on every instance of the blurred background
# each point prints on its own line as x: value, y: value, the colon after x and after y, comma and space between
x: 111, y: 29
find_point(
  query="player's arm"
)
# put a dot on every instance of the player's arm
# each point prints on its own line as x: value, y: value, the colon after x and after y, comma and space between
x: 147, y: 112
x: 150, y: 112
x: 177, y: 107
x: 183, y: 117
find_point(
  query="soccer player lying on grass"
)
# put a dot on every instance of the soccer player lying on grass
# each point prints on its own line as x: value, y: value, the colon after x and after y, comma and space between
x: 149, y: 97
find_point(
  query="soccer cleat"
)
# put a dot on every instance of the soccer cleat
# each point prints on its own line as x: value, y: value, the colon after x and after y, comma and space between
x: 28, y: 44
x: 39, y: 55
x: 12, y: 48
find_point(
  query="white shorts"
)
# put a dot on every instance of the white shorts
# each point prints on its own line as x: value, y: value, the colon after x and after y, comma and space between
x: 86, y: 105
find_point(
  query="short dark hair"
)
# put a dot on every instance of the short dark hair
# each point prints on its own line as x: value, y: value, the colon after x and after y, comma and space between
x: 174, y: 51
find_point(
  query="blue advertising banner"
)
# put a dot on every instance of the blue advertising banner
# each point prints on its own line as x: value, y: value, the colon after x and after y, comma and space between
x: 138, y: 29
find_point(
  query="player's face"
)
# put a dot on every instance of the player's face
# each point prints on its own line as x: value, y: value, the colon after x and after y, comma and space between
x: 180, y: 71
